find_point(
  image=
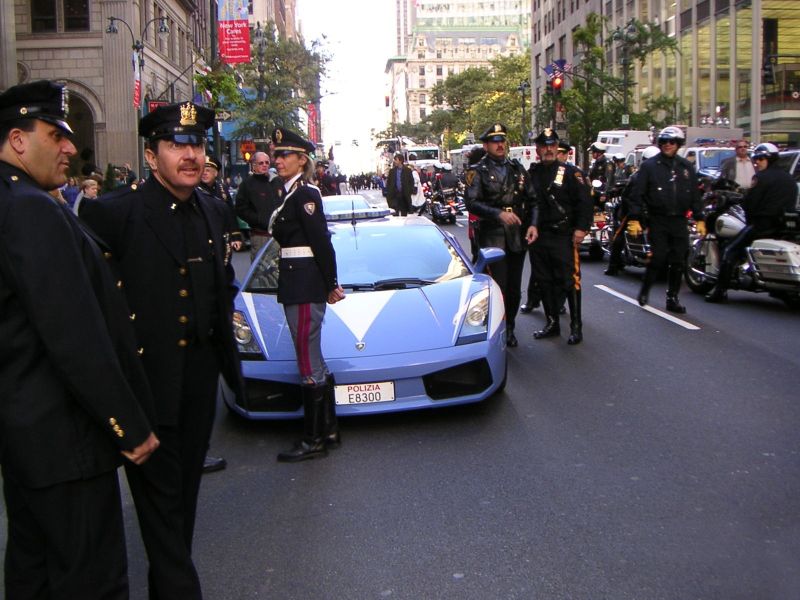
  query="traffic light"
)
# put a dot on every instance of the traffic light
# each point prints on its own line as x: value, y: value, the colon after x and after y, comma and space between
x: 549, y: 87
x: 557, y: 84
x: 768, y: 75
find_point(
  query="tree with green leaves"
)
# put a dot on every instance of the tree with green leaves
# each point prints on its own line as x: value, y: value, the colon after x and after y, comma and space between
x: 273, y: 89
x: 596, y: 99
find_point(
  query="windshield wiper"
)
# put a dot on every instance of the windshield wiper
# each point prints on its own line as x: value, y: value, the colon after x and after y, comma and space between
x: 401, y: 283
x: 358, y: 286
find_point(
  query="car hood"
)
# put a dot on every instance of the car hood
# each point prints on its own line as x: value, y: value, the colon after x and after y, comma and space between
x: 374, y: 323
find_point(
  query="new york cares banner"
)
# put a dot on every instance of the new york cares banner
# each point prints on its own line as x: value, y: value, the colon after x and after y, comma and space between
x: 233, y: 32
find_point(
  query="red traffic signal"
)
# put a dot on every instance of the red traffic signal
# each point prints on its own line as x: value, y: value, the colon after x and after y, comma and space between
x: 558, y: 82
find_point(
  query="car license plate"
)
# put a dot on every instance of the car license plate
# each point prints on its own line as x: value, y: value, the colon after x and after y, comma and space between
x: 364, y: 393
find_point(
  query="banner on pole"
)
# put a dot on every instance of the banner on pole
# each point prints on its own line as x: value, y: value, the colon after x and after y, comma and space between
x: 137, y: 81
x: 233, y: 31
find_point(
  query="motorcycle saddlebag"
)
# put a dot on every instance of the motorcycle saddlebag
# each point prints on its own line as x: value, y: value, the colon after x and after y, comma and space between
x: 776, y: 260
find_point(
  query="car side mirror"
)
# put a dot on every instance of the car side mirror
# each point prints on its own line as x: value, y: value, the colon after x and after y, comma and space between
x: 487, y: 256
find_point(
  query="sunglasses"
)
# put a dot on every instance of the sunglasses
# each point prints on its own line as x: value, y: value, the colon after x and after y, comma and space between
x: 662, y: 142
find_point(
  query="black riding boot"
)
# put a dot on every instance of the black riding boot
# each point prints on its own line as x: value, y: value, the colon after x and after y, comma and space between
x: 575, y: 322
x: 330, y: 428
x: 674, y: 275
x: 615, y: 258
x: 313, y: 443
x: 534, y: 297
x: 719, y: 292
x: 552, y: 327
x: 650, y: 275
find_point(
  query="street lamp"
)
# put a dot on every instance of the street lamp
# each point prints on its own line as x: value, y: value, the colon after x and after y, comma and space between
x: 523, y: 88
x: 138, y: 45
x: 626, y: 37
x: 138, y: 48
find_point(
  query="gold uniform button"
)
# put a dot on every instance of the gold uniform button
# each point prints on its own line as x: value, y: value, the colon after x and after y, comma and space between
x: 14, y: 178
x: 107, y: 255
x: 134, y: 186
x: 112, y: 421
x: 119, y: 284
x: 183, y: 270
x: 132, y: 316
x: 183, y: 319
x: 183, y: 343
x: 121, y: 433
x: 183, y: 293
x: 140, y: 351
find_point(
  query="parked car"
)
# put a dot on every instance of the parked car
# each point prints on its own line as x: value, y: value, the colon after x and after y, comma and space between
x: 421, y: 327
x: 789, y: 160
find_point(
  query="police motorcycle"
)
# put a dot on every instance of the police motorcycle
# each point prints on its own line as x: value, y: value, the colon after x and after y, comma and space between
x: 769, y: 265
x: 596, y: 239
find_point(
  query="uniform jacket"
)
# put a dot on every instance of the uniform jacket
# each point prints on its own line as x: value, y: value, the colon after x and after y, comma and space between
x: 488, y: 193
x: 774, y: 192
x: 256, y: 199
x: 300, y: 222
x: 72, y: 390
x: 564, y: 203
x: 220, y: 192
x: 141, y: 227
x: 600, y: 169
x: 666, y: 187
x: 406, y: 178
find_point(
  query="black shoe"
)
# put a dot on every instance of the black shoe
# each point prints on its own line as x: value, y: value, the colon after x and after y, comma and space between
x: 511, y: 339
x: 551, y: 329
x: 575, y: 336
x: 674, y: 306
x: 613, y: 270
x: 213, y: 463
x: 717, y: 295
x: 304, y: 450
x: 332, y: 440
x: 642, y: 298
x: 529, y: 306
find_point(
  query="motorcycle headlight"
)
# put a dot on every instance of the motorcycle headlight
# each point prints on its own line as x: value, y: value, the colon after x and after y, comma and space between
x: 476, y: 320
x: 245, y: 340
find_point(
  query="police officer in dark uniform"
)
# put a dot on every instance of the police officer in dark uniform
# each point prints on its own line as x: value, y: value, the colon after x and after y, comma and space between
x: 556, y: 232
x: 73, y: 394
x: 173, y: 250
x: 665, y: 190
x: 307, y: 280
x: 500, y: 194
x: 773, y: 193
x: 600, y: 170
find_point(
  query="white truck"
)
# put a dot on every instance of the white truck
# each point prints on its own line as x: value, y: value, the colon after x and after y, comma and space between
x: 623, y: 141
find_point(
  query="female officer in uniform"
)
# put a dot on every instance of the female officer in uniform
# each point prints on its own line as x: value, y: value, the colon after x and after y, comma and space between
x: 307, y: 280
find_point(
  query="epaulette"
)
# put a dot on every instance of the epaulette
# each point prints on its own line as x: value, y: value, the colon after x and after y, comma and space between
x: 120, y: 191
x: 311, y: 185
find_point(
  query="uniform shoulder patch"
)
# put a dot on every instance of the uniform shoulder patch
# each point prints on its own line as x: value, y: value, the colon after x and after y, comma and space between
x: 470, y: 176
x: 310, y: 207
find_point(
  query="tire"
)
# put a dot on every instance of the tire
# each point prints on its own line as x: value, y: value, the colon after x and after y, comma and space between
x: 698, y: 259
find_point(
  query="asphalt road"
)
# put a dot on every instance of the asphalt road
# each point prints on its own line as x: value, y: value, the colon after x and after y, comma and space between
x: 653, y: 461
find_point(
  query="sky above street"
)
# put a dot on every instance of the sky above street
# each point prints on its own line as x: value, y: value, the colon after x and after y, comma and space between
x: 359, y: 37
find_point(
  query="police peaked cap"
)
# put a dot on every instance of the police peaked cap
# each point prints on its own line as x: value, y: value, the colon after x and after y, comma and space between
x: 212, y: 161
x: 44, y: 100
x: 184, y: 123
x: 546, y: 137
x: 564, y: 145
x: 495, y: 133
x: 286, y: 140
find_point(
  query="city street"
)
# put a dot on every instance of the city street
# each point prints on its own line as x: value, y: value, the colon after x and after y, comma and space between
x: 660, y: 459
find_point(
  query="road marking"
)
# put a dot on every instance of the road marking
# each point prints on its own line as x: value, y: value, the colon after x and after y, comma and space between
x: 648, y: 308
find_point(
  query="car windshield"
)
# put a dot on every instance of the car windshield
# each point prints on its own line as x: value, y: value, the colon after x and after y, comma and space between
x: 342, y: 204
x: 712, y: 158
x: 377, y: 258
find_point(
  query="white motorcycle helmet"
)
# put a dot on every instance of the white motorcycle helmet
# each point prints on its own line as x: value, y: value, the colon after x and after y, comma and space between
x: 766, y: 150
x: 618, y: 156
x: 650, y: 152
x: 673, y: 134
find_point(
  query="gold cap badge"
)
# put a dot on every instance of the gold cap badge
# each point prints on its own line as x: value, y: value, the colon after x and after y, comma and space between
x: 188, y: 114
x: 498, y: 128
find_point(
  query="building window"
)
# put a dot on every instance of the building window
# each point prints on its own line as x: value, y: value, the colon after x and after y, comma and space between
x: 422, y: 82
x: 423, y: 99
x: 438, y: 70
x: 422, y: 71
x: 422, y: 113
x: 47, y: 18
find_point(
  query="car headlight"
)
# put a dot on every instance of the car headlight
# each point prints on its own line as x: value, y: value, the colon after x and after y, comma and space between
x: 243, y: 334
x: 476, y: 320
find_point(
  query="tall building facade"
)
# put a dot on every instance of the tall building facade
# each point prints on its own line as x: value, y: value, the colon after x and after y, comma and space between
x: 447, y: 37
x: 718, y: 76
